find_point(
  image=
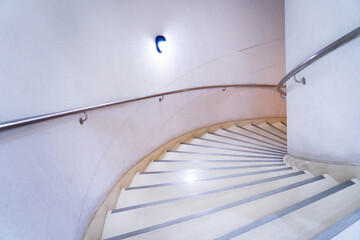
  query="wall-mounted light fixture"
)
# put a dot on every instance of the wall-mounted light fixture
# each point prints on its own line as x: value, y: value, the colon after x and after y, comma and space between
x: 160, y: 42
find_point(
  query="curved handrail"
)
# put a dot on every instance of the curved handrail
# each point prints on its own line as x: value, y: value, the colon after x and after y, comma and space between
x: 40, y: 118
x: 329, y: 48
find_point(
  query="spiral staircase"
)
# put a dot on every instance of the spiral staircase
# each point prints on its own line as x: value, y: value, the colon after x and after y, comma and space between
x: 234, y: 184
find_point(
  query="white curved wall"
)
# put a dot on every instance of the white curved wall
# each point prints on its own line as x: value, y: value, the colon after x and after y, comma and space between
x: 59, y: 55
x: 323, y: 116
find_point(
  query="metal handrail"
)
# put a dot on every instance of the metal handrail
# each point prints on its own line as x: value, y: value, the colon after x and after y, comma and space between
x: 341, y: 41
x: 40, y: 118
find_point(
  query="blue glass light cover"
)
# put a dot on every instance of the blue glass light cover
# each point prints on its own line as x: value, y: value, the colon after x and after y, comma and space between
x: 158, y: 39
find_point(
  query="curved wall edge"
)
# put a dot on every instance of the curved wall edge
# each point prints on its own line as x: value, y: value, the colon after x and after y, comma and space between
x: 339, y: 172
x: 324, y: 161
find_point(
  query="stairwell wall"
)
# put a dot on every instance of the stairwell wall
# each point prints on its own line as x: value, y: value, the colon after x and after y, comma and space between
x: 58, y: 55
x: 323, y: 116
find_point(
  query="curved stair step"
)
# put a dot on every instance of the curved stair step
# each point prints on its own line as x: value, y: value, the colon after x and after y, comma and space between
x: 147, y: 178
x: 237, y: 133
x: 188, y: 222
x: 225, y: 136
x: 349, y: 232
x: 270, y: 128
x: 256, y: 135
x: 248, y: 188
x: 191, y: 147
x: 265, y: 133
x: 307, y: 222
x: 137, y: 196
x: 188, y: 175
x: 223, y: 144
x: 280, y: 126
x: 187, y: 155
x: 176, y: 165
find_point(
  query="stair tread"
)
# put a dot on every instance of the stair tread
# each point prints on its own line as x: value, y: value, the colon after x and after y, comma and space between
x: 177, y: 155
x: 223, y: 144
x: 255, y: 134
x: 349, y: 233
x: 265, y: 133
x: 221, y: 135
x: 226, y: 150
x: 273, y: 129
x: 144, y: 195
x: 244, y: 213
x: 273, y: 180
x: 346, y: 228
x: 310, y: 220
x: 280, y: 126
x: 146, y: 178
x: 176, y: 209
x: 232, y: 132
x: 173, y: 166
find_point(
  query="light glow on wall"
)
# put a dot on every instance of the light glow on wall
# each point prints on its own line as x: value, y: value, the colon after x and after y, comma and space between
x: 161, y: 61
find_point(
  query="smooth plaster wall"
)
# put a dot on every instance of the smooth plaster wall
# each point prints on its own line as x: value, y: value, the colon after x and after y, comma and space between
x: 324, y: 115
x: 56, y: 55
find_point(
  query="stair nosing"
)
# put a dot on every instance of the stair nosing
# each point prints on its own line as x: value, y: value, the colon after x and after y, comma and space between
x: 339, y: 226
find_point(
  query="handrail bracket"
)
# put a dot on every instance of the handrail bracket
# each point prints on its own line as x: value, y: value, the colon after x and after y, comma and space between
x: 82, y: 120
x: 161, y: 98
x: 303, y: 80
